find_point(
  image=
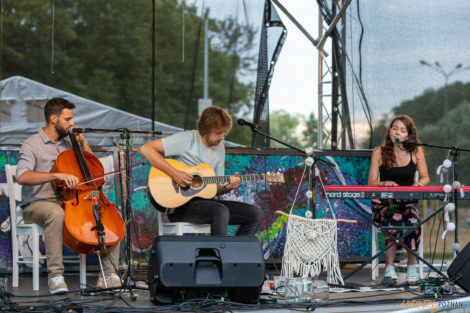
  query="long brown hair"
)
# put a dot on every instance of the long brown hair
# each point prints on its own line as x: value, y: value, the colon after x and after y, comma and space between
x: 388, y: 157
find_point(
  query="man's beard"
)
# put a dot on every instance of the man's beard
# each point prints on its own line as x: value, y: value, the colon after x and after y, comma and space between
x: 212, y: 143
x: 61, y: 131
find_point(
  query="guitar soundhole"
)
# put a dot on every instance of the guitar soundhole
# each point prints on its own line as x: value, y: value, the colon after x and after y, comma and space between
x: 197, y: 182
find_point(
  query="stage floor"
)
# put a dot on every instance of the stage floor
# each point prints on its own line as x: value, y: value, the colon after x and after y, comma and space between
x: 23, y: 299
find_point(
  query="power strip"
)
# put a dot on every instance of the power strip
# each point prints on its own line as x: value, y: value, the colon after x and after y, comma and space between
x: 434, y: 291
x: 446, y: 290
x: 431, y: 291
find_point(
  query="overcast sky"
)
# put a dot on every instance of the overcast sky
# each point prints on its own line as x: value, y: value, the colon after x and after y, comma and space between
x: 397, y: 35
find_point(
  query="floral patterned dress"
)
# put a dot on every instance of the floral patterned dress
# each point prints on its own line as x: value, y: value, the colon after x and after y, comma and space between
x: 398, y: 212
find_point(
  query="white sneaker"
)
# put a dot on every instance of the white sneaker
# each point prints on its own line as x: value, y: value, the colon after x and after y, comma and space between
x: 57, y: 285
x: 412, y: 275
x: 390, y: 272
x: 112, y: 281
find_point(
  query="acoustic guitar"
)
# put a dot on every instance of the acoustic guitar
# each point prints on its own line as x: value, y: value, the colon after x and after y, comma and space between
x: 167, y: 193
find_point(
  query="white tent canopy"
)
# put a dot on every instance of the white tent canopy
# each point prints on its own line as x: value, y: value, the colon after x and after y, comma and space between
x: 22, y: 114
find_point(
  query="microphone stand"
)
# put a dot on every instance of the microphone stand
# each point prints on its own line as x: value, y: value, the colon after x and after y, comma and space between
x: 118, y: 130
x: 311, y: 161
x: 455, y: 153
x: 126, y: 135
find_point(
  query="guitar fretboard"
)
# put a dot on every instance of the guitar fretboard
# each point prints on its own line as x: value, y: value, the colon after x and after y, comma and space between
x: 226, y: 179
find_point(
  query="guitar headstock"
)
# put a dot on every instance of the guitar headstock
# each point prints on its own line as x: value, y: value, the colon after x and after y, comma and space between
x: 277, y: 177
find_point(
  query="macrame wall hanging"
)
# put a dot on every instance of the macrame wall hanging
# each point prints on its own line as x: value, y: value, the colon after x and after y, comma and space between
x: 311, y: 244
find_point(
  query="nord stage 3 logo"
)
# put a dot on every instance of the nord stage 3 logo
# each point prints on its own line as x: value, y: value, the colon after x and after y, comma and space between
x: 346, y: 194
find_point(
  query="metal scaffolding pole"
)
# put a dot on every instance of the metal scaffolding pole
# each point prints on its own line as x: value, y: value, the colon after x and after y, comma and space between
x: 334, y: 125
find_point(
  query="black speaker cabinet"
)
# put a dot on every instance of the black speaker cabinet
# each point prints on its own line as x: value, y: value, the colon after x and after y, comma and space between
x: 459, y: 270
x: 188, y: 267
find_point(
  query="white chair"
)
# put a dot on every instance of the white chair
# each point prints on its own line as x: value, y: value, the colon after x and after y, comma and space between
x: 33, y: 230
x: 178, y: 228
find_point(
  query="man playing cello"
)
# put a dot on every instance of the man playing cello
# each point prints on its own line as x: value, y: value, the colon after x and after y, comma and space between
x: 41, y: 203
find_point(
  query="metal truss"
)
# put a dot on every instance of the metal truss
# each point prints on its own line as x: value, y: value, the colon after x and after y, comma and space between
x: 334, y: 127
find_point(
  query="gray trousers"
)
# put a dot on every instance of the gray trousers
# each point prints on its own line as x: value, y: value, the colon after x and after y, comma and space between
x: 49, y: 214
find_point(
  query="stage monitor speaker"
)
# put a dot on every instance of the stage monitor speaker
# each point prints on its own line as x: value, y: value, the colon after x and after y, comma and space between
x: 188, y: 267
x: 459, y: 270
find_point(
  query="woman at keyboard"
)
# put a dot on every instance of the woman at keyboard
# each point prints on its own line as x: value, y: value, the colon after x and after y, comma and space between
x: 395, y: 163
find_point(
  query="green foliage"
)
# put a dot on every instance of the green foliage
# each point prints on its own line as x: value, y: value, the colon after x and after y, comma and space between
x: 287, y: 128
x: 450, y: 130
x: 428, y: 108
x: 436, y: 128
x: 310, y: 133
x: 102, y: 50
x: 283, y: 126
x: 27, y: 40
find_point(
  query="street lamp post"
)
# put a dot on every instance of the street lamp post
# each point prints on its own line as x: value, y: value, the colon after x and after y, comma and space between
x: 438, y: 68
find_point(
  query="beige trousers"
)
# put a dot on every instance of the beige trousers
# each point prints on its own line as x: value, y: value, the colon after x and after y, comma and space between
x: 50, y: 216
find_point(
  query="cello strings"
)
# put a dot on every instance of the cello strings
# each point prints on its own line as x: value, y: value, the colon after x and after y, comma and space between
x: 109, y: 173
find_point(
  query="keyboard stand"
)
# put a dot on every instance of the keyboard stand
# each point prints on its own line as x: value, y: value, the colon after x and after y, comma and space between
x: 385, y: 231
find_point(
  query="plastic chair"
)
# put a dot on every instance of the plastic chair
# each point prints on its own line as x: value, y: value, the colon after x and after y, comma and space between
x: 33, y: 230
x: 180, y: 228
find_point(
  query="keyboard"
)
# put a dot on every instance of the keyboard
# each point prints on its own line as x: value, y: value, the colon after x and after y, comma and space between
x: 396, y: 192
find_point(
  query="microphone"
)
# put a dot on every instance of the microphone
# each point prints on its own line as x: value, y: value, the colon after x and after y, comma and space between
x: 397, y: 140
x: 76, y: 130
x: 408, y: 143
x: 242, y: 122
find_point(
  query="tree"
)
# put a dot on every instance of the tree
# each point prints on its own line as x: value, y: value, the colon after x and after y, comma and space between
x: 27, y: 45
x: 427, y: 108
x: 102, y: 51
x: 310, y: 133
x: 457, y: 125
x: 284, y: 127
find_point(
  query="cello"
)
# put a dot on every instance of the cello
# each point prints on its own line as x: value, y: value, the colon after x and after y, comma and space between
x: 92, y: 224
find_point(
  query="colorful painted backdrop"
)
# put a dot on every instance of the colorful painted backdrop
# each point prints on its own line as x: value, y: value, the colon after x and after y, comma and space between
x: 351, y: 168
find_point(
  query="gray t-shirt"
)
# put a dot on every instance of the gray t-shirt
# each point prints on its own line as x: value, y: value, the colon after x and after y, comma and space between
x: 189, y: 149
x: 38, y: 153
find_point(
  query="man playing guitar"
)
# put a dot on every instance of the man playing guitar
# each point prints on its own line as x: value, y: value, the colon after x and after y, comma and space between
x: 204, y: 145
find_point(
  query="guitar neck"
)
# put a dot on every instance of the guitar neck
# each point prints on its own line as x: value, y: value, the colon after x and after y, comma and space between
x: 226, y: 179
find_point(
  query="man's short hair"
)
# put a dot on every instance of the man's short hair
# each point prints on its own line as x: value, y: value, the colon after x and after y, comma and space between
x: 213, y: 117
x: 55, y: 106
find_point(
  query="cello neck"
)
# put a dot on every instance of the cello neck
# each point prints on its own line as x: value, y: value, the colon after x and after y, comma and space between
x: 81, y: 159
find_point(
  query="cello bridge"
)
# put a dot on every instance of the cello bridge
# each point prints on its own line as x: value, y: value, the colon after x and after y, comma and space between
x: 93, y: 195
